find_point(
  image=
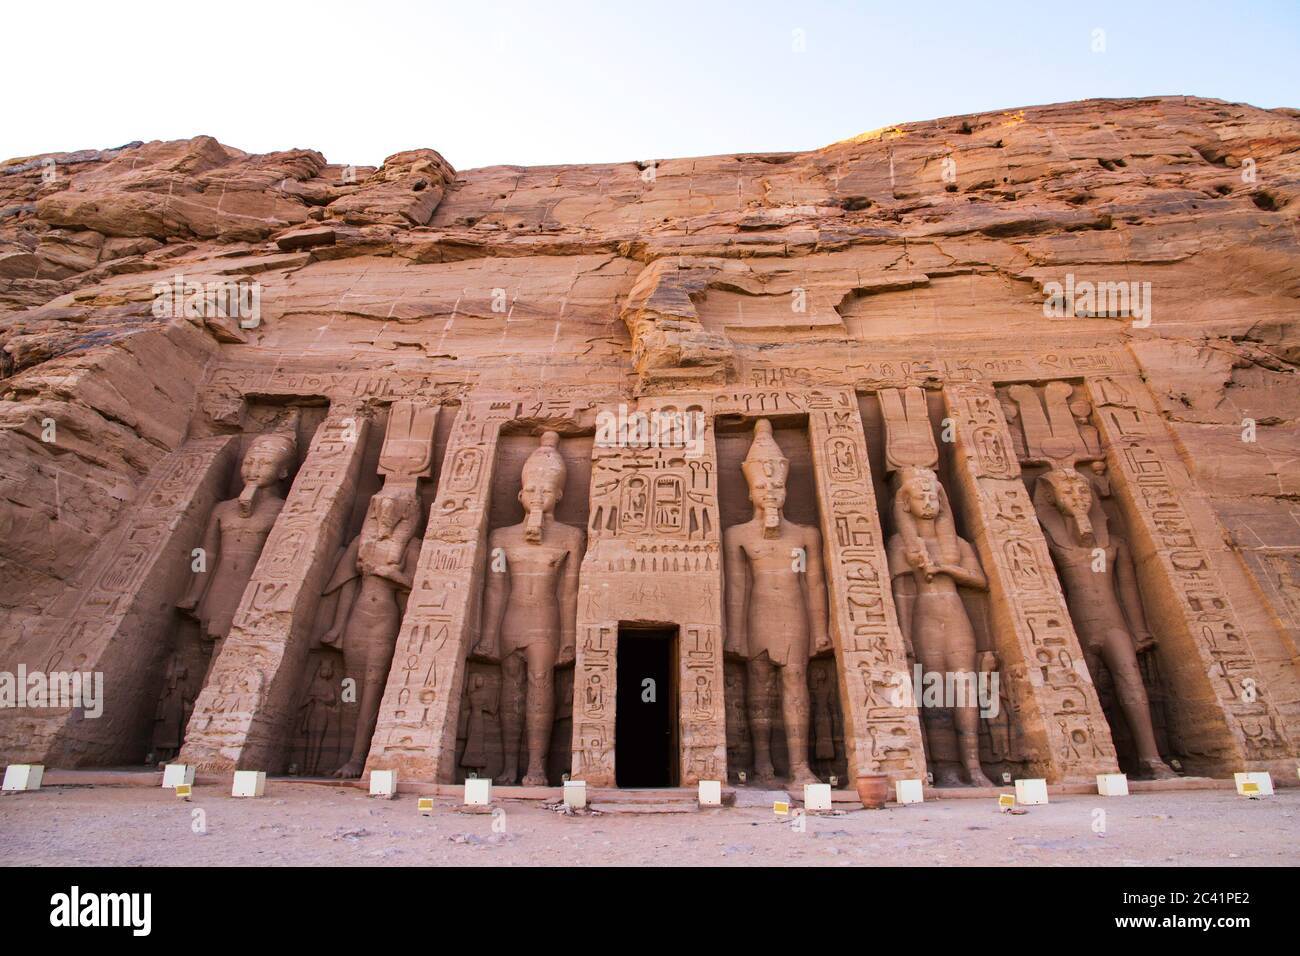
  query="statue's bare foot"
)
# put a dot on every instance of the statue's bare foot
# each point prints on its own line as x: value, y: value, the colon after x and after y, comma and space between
x: 764, y: 776
x: 1158, y: 770
x: 534, y: 780
x: 350, y: 770
x: 507, y: 777
x: 949, y: 777
x: 802, y: 776
x: 978, y: 778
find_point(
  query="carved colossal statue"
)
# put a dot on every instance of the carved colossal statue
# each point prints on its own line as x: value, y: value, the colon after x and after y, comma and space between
x: 1101, y: 590
x: 530, y: 611
x: 371, y: 578
x: 235, y: 535
x: 776, y: 608
x: 928, y: 562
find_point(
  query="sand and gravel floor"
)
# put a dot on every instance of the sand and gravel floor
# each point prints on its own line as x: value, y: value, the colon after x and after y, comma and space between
x: 302, y: 824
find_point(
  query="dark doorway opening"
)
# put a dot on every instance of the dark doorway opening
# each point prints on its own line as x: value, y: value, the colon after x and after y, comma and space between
x: 645, y: 715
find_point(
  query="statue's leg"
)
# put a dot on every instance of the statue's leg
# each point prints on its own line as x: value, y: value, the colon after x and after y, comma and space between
x: 962, y: 661
x: 759, y: 694
x: 797, y: 711
x: 1121, y: 660
x: 540, y: 710
x: 356, y: 656
x: 514, y: 671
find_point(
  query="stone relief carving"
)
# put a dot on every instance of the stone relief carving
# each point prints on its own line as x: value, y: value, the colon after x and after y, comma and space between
x: 236, y: 534
x: 928, y: 563
x: 371, y: 579
x: 776, y: 609
x: 1094, y: 564
x: 374, y: 573
x: 530, y: 611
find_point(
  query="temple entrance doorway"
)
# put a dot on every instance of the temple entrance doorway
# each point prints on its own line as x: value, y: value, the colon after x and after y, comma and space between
x: 645, y: 724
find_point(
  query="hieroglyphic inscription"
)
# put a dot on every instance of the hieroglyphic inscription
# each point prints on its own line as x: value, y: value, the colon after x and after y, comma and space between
x: 416, y: 730
x: 240, y: 715
x: 1042, y: 665
x: 115, y: 619
x: 653, y: 555
x: 881, y: 736
x: 1172, y: 526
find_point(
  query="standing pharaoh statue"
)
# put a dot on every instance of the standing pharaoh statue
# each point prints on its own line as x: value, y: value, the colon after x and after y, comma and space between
x: 235, y: 535
x: 776, y: 608
x: 530, y: 611
x: 1101, y: 591
x: 372, y: 578
x: 1093, y: 561
x: 928, y: 563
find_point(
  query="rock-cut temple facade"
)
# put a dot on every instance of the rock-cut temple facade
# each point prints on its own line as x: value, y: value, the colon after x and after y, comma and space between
x: 663, y: 471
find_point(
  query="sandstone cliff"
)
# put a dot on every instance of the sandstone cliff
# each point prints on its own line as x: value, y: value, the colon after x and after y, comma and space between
x: 660, y: 275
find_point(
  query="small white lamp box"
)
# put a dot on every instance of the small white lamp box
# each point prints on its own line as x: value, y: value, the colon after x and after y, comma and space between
x: 575, y: 794
x: 249, y: 783
x: 24, y: 776
x: 1031, y: 792
x: 424, y: 805
x: 817, y: 796
x: 710, y: 793
x: 383, y: 783
x: 1112, y: 784
x: 478, y: 791
x: 908, y: 791
x: 1258, y: 784
x: 175, y: 774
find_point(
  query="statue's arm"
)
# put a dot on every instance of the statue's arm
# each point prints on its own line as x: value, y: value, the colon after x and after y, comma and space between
x: 569, y: 600
x: 736, y: 578
x: 496, y: 592
x: 211, y: 553
x: 815, y: 579
x: 969, y: 573
x: 902, y: 578
x: 1131, y: 598
x: 344, y: 581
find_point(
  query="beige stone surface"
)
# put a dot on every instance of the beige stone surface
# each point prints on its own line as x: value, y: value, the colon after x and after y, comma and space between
x: 796, y: 288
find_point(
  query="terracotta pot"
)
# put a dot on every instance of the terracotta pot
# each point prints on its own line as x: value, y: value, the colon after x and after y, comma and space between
x: 873, y: 790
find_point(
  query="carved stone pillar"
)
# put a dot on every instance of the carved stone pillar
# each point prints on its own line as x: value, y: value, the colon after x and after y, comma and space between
x: 416, y: 731
x: 116, y: 615
x: 880, y: 735
x: 241, y: 715
x: 653, y: 556
x: 1051, y: 692
x: 1224, y: 716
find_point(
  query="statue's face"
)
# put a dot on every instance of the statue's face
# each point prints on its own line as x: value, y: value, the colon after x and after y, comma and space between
x: 1072, y: 494
x: 540, y: 494
x: 767, y: 487
x: 923, y: 497
x: 265, y: 464
x: 388, y: 512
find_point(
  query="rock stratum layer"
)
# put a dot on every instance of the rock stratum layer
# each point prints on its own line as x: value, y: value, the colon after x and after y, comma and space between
x: 824, y: 291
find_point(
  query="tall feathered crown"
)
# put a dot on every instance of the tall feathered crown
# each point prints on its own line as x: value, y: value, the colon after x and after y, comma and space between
x: 546, y: 463
x: 765, y: 457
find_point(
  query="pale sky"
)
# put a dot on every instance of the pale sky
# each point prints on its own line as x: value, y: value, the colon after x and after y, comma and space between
x: 487, y: 82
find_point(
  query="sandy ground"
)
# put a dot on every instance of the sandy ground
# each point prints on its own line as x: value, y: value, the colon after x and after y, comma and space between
x: 303, y: 824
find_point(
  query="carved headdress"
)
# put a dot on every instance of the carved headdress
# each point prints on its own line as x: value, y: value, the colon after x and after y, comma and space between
x: 546, y: 465
x: 766, y: 460
x: 765, y: 456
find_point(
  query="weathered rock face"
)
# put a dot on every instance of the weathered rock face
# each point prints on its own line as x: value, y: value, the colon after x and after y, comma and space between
x: 992, y: 351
